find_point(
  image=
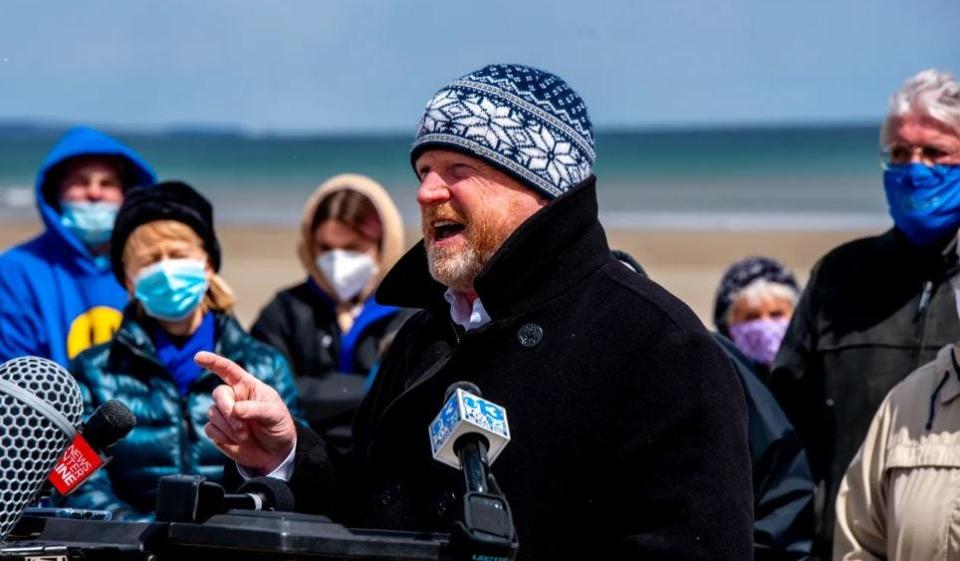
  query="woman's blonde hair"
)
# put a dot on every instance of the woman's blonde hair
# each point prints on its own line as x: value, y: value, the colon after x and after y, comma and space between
x: 219, y: 297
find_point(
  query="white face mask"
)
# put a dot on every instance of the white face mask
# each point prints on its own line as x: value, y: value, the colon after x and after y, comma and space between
x: 347, y: 271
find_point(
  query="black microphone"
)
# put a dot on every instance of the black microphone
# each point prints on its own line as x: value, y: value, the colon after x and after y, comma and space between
x: 108, y: 424
x: 40, y: 404
x: 468, y: 433
x: 191, y: 498
x: 471, y: 447
x: 261, y: 493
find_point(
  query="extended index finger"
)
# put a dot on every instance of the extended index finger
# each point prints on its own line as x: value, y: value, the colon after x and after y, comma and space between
x: 228, y: 371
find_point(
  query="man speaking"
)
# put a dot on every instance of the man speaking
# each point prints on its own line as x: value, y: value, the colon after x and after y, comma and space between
x: 627, y: 422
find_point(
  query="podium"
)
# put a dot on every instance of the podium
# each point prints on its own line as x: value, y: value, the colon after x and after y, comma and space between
x: 197, y: 518
x: 235, y: 535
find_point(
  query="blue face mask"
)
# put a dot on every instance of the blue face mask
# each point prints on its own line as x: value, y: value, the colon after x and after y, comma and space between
x: 171, y: 289
x: 924, y: 200
x: 92, y: 223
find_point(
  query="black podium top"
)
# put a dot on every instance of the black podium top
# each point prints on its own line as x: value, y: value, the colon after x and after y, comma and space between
x: 235, y: 535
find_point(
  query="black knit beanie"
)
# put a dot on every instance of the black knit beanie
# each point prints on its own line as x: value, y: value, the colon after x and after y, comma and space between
x: 170, y: 200
x: 741, y: 275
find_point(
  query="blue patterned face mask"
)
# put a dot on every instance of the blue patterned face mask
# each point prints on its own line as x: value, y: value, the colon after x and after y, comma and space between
x: 924, y: 200
x: 171, y: 289
x: 92, y: 223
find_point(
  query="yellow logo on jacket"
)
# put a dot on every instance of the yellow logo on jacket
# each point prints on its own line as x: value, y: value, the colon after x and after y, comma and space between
x: 96, y: 325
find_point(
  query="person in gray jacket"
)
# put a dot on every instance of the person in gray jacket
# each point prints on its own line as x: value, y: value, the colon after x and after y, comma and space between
x: 877, y: 308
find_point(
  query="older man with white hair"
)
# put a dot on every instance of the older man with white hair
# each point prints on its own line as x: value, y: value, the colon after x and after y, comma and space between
x: 877, y: 308
x: 627, y: 421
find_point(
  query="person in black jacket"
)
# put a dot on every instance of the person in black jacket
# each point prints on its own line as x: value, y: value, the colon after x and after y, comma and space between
x: 877, y: 308
x: 628, y: 429
x: 329, y: 326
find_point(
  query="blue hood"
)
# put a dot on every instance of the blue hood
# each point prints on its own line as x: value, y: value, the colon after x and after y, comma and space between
x: 82, y: 141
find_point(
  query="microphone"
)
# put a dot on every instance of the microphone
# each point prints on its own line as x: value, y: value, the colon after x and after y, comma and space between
x: 469, y: 432
x: 108, y: 424
x: 192, y: 498
x: 261, y: 493
x: 40, y: 405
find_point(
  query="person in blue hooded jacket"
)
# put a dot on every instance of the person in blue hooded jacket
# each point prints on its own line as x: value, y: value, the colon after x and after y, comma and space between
x: 58, y: 295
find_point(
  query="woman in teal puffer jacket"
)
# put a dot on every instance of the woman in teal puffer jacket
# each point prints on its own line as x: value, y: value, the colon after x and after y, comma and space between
x: 165, y: 252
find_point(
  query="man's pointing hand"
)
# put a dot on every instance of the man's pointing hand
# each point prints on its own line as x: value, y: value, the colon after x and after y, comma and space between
x: 248, y: 420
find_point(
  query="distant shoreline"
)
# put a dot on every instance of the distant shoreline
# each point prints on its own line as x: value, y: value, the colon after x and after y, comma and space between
x: 17, y: 128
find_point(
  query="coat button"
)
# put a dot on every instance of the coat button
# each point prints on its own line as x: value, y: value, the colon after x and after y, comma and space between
x: 388, y: 497
x: 445, y: 503
x: 326, y: 340
x: 530, y: 335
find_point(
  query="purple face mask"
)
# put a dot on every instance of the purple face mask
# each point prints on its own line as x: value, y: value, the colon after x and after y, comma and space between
x: 759, y: 339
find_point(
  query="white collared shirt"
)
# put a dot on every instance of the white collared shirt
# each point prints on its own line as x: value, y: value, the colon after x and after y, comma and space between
x: 283, y: 472
x: 463, y: 314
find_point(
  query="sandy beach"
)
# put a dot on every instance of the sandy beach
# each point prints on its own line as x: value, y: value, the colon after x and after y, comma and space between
x: 259, y: 260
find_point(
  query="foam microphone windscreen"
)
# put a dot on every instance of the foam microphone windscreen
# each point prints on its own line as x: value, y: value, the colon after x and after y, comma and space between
x: 108, y: 424
x: 274, y: 493
x: 40, y: 406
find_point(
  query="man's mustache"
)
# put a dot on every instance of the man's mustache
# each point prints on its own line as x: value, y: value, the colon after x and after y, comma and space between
x: 433, y: 214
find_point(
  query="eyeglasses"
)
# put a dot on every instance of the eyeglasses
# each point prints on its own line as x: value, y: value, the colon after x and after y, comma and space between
x: 897, y: 154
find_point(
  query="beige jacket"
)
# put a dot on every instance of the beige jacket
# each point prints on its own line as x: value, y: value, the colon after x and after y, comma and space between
x: 900, y: 497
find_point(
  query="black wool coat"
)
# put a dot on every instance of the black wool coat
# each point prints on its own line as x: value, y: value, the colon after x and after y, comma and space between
x: 628, y: 423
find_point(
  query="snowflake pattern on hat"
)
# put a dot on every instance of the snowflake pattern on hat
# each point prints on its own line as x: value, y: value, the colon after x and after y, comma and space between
x: 523, y: 120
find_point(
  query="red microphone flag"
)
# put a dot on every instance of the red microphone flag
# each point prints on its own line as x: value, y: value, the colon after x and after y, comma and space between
x: 79, y: 461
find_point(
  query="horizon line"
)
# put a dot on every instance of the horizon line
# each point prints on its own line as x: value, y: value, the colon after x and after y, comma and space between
x: 50, y: 126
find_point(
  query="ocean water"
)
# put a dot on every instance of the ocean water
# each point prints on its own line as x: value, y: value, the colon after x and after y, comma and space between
x: 807, y: 178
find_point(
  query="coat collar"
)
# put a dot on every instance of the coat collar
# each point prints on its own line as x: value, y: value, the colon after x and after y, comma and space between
x: 550, y: 252
x: 939, y: 259
x: 945, y: 363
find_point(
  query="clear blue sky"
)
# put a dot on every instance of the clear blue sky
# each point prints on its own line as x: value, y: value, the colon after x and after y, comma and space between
x: 355, y: 65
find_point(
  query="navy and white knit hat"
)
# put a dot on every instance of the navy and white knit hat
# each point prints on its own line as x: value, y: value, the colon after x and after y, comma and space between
x: 742, y: 274
x: 526, y: 122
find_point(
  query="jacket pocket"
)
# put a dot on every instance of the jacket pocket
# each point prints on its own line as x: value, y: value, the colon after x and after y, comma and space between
x: 922, y: 483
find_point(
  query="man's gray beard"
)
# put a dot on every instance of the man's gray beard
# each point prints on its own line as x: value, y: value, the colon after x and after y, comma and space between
x: 456, y: 269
